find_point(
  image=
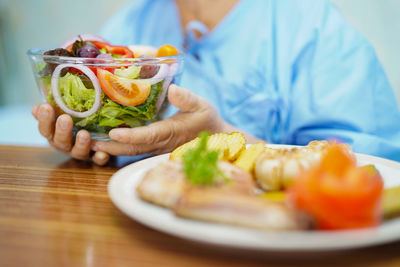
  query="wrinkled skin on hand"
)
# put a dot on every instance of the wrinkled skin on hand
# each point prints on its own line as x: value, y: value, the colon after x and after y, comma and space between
x: 195, y: 115
x: 59, y: 134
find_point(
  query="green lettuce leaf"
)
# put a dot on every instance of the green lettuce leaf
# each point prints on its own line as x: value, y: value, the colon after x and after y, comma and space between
x: 74, y: 93
x: 111, y: 114
x: 131, y: 72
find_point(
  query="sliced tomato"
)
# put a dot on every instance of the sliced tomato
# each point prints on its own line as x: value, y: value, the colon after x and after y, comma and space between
x: 127, y: 92
x: 123, y: 51
x: 338, y: 194
x: 69, y: 48
x: 110, y: 69
x: 166, y: 51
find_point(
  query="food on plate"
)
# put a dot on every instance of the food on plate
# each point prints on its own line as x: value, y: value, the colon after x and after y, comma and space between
x: 246, y: 159
x: 391, y: 202
x: 200, y: 186
x: 210, y: 204
x: 163, y: 184
x: 275, y: 169
x: 228, y: 145
x: 337, y: 193
x: 102, y: 85
x: 274, y: 196
x: 328, y: 190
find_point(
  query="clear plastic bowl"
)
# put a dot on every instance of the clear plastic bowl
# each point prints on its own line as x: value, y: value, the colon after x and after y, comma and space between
x: 99, y: 100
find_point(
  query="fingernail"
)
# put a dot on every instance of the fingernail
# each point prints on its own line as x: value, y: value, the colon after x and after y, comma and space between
x: 43, y: 113
x: 83, y: 139
x: 95, y: 147
x: 115, y: 135
x: 63, y: 125
x: 100, y: 156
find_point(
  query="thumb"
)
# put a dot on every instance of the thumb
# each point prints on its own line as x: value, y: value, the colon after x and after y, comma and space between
x: 184, y: 99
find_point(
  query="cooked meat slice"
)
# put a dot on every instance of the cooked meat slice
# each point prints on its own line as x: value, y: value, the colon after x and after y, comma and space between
x: 162, y: 185
x: 239, y: 180
x: 231, y: 202
x: 210, y: 204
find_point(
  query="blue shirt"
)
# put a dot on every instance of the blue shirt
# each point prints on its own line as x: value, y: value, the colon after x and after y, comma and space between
x: 287, y: 71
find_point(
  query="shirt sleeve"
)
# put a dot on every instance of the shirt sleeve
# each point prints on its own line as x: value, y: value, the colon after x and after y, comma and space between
x: 339, y: 89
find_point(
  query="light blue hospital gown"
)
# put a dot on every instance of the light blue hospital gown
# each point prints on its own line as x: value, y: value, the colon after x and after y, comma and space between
x: 286, y: 71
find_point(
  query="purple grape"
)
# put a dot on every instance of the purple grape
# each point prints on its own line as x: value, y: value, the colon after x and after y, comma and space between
x: 88, y: 50
x: 148, y: 71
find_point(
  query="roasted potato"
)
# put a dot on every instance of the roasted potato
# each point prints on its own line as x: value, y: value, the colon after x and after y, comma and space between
x: 229, y: 145
x: 247, y: 157
x: 236, y: 143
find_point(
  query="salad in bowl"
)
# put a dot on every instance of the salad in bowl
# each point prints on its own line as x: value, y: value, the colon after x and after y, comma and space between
x: 104, y: 86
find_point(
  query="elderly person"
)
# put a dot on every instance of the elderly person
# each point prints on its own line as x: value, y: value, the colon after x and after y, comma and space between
x: 287, y: 71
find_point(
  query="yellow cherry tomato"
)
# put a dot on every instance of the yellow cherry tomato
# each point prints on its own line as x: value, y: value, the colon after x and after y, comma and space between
x: 166, y: 51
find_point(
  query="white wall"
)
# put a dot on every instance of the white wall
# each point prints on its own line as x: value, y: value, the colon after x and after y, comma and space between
x: 379, y: 21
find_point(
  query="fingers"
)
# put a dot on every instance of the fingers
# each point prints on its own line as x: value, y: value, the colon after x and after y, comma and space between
x: 46, y: 118
x: 81, y: 149
x: 118, y: 149
x: 63, y: 133
x: 164, y: 130
x: 184, y: 99
x: 100, y: 158
x: 153, y: 133
x: 111, y: 147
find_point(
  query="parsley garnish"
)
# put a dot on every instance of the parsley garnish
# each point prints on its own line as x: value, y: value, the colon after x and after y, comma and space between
x: 200, y: 163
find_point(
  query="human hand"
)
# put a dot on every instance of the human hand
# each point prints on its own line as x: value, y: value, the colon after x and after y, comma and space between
x: 59, y: 134
x: 195, y: 115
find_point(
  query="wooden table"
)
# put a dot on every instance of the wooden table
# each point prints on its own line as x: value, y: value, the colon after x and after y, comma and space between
x: 55, y: 211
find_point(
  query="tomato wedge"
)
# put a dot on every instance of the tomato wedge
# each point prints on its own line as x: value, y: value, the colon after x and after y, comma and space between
x: 123, y: 51
x: 127, y: 92
x: 338, y: 194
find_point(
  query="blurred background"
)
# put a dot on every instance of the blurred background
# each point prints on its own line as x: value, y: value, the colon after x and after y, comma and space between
x: 26, y: 24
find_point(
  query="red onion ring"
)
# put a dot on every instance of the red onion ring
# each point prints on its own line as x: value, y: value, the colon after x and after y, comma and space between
x: 168, y: 79
x: 163, y: 72
x: 58, y: 99
x: 85, y: 37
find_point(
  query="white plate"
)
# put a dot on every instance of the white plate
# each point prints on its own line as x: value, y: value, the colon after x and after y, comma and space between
x: 121, y: 189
